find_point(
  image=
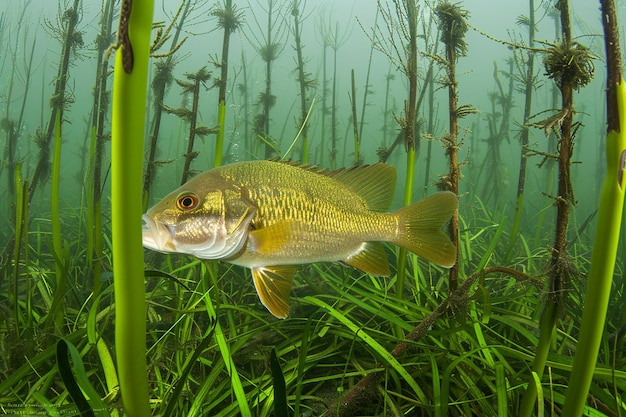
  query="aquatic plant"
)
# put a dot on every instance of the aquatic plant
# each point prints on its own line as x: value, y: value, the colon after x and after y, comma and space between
x: 452, y: 29
x: 101, y: 100
x: 355, y: 125
x: 10, y: 126
x: 368, y: 87
x: 609, y: 220
x: 161, y: 81
x: 325, y: 43
x: 71, y: 39
x: 527, y: 77
x: 127, y: 132
x: 334, y: 39
x: 386, y: 112
x: 305, y: 79
x: 401, y: 25
x: 269, y: 44
x: 498, y: 121
x: 431, y: 47
x: 572, y: 70
x: 197, y: 79
x: 244, y: 91
x: 67, y: 33
x: 229, y: 19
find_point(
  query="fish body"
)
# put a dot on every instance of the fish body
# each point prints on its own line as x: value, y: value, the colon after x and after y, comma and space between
x: 272, y: 216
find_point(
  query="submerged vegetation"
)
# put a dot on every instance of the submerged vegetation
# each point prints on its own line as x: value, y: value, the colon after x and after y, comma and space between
x: 495, y: 335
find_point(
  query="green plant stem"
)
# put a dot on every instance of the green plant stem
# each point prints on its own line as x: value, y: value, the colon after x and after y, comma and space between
x: 302, y: 79
x: 355, y: 128
x: 367, y: 76
x: 333, y: 114
x: 608, y: 228
x: 408, y: 196
x: 221, y: 106
x: 219, y: 143
x: 95, y: 240
x: 56, y: 312
x: 20, y: 205
x: 127, y: 132
x: 546, y: 331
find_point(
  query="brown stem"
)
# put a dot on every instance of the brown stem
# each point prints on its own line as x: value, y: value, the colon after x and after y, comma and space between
x: 302, y: 79
x: 191, y: 155
x: 43, y: 164
x: 614, y: 62
x: 453, y: 161
x: 566, y: 145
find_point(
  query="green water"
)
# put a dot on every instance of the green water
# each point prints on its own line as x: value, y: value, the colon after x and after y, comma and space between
x: 211, y: 347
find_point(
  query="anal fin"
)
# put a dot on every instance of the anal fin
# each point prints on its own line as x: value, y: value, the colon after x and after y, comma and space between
x: 273, y: 285
x: 372, y: 259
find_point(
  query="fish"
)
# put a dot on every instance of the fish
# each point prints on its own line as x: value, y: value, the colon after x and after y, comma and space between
x: 271, y: 216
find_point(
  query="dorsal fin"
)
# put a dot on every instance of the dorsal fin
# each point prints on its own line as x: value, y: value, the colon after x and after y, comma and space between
x: 374, y: 183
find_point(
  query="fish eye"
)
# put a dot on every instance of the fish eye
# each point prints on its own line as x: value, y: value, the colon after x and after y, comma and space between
x: 187, y: 201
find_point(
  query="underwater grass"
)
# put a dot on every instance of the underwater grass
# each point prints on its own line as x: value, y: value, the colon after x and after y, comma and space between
x: 127, y: 131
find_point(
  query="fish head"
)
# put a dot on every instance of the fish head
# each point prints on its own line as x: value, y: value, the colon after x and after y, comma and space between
x: 207, y: 217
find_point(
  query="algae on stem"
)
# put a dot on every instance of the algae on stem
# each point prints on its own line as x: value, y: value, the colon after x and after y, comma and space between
x: 269, y: 44
x: 452, y: 29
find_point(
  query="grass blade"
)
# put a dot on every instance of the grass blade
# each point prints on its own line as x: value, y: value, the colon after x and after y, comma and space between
x: 381, y: 351
x: 77, y: 382
x: 280, y: 391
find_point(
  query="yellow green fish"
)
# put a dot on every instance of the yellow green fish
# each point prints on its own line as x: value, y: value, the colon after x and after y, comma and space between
x: 272, y: 216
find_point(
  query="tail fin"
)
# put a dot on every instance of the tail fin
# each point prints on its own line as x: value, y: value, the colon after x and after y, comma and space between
x: 420, y: 228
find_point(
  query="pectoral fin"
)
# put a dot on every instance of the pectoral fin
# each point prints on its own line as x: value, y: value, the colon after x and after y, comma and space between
x: 271, y: 239
x: 273, y: 284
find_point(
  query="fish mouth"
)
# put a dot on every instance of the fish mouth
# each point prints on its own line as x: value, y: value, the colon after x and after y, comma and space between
x: 156, y: 235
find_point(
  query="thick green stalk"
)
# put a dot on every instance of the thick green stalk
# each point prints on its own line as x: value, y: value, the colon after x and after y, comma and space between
x: 608, y: 228
x: 602, y: 268
x: 127, y: 132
